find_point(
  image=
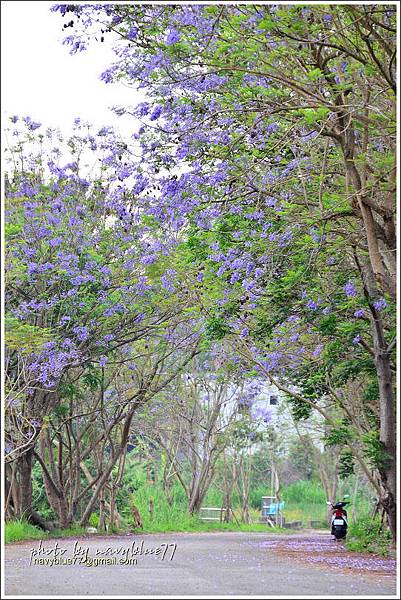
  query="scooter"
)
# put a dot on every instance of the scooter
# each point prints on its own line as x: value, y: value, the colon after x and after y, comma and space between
x: 339, y: 520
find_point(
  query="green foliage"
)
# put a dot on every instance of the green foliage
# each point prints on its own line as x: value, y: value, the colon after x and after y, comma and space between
x: 174, y: 516
x: 94, y: 520
x: 347, y: 463
x: 305, y: 491
x: 373, y: 448
x: 369, y: 535
x: 40, y: 502
x: 300, y: 456
x: 300, y: 410
x: 311, y: 115
x: 73, y: 531
x: 328, y: 325
x: 371, y: 391
x: 15, y: 531
x: 216, y: 328
x: 25, y: 338
x: 20, y: 529
x: 337, y: 436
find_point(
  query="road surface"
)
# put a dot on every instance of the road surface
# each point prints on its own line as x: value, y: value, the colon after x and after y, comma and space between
x: 238, y: 564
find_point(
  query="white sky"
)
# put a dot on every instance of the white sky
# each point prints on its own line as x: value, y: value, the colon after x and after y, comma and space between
x: 41, y: 79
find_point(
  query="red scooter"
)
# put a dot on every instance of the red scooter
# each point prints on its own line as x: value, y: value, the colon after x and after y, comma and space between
x: 339, y: 519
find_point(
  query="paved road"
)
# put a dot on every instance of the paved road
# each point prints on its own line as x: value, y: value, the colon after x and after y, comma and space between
x: 240, y: 564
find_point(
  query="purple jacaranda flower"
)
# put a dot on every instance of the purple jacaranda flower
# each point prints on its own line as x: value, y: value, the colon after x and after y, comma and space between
x: 156, y: 112
x: 132, y: 33
x: 102, y: 361
x: 356, y: 339
x: 32, y: 268
x: 263, y: 413
x: 29, y: 252
x: 112, y: 310
x: 32, y: 125
x: 55, y: 242
x: 318, y: 350
x: 82, y: 333
x: 244, y: 332
x: 166, y: 280
x: 350, y: 290
x: 172, y: 37
x: 149, y: 259
x: 104, y: 131
x: 380, y: 304
x: 49, y: 345
x: 312, y: 304
x: 359, y: 313
x: 107, y: 75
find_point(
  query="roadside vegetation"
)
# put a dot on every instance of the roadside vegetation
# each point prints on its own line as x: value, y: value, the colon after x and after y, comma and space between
x: 304, y: 502
x: 369, y: 535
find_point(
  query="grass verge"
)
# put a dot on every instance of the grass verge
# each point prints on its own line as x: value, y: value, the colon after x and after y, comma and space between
x: 19, y: 530
x: 367, y: 535
x: 16, y: 531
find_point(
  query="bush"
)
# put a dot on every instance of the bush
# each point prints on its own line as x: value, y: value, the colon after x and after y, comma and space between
x: 94, y: 520
x: 368, y: 535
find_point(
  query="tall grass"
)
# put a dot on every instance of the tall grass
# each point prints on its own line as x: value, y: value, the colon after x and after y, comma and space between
x: 304, y: 501
x: 15, y: 531
x: 304, y: 491
x: 18, y: 530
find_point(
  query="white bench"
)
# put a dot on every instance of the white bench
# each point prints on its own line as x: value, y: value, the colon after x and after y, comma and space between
x: 212, y: 514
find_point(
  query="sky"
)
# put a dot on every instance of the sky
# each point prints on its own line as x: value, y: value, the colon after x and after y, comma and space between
x: 41, y: 79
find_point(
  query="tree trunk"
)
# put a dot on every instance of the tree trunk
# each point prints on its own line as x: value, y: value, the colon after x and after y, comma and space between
x: 387, y: 437
x: 102, y: 481
x: 387, y: 466
x: 25, y: 470
x: 195, y: 501
x: 102, y: 512
x: 12, y: 508
x: 25, y: 463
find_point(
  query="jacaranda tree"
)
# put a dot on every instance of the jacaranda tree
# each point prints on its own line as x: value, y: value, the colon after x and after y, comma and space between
x: 268, y: 136
x: 86, y: 287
